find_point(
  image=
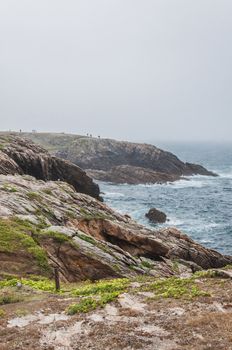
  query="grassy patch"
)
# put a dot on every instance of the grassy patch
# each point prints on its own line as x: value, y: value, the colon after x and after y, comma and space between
x: 85, y: 215
x: 70, y: 214
x: 227, y: 267
x: 16, y: 235
x: 9, y: 298
x: 33, y: 196
x: 90, y: 303
x: 94, y: 295
x: 174, y: 287
x: 43, y: 284
x: 47, y: 191
x: 2, y: 313
x: 86, y: 238
x: 205, y: 274
x: 9, y: 188
x: 146, y: 264
x: 56, y: 236
x: 101, y: 287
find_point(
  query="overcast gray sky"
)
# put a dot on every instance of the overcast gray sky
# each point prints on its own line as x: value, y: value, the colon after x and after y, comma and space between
x: 129, y: 69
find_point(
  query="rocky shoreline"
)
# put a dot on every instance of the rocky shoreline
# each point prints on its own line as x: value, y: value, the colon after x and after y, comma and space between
x: 94, y: 241
x: 121, y: 283
x: 117, y: 161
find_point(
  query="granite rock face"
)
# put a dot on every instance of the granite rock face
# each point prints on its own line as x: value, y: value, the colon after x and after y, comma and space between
x: 47, y: 224
x: 21, y: 156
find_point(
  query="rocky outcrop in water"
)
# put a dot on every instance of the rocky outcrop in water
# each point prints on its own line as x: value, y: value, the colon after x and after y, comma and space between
x: 156, y: 216
x: 103, y: 154
x: 118, y: 161
x: 132, y: 175
x: 47, y: 224
x: 21, y: 156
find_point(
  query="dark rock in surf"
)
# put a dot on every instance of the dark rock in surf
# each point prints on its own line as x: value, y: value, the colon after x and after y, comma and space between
x: 156, y: 216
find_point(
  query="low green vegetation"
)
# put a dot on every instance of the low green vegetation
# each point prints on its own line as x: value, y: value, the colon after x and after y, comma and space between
x: 42, y: 284
x: 9, y: 298
x: 146, y: 264
x: 9, y: 188
x: 17, y: 235
x: 70, y: 214
x: 56, y: 236
x: 205, y: 274
x: 2, y: 313
x: 86, y: 238
x: 89, y: 296
x: 101, y: 287
x: 47, y: 191
x: 97, y: 294
x: 85, y: 215
x: 33, y: 196
x: 175, y: 287
x: 227, y: 267
x: 91, y: 303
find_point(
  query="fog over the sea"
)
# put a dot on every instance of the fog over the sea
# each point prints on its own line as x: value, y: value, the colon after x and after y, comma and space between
x: 128, y: 69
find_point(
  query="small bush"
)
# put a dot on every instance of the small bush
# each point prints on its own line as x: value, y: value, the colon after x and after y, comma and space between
x: 9, y: 298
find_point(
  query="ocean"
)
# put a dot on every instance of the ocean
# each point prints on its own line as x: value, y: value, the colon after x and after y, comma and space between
x: 200, y: 207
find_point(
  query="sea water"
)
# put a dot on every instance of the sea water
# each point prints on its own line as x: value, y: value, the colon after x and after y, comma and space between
x: 200, y: 206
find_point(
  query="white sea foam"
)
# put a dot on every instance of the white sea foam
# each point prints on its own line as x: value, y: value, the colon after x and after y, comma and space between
x: 226, y: 175
x: 114, y: 195
x: 172, y: 221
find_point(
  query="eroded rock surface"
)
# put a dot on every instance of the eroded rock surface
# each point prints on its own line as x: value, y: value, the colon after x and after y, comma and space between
x: 46, y: 224
x: 118, y: 161
x: 132, y: 175
x: 21, y: 156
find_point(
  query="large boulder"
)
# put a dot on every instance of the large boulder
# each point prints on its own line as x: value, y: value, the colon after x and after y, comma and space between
x: 156, y: 216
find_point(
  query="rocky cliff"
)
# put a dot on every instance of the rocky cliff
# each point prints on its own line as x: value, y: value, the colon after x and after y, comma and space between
x: 131, y: 175
x: 118, y: 160
x: 47, y: 224
x: 21, y: 156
